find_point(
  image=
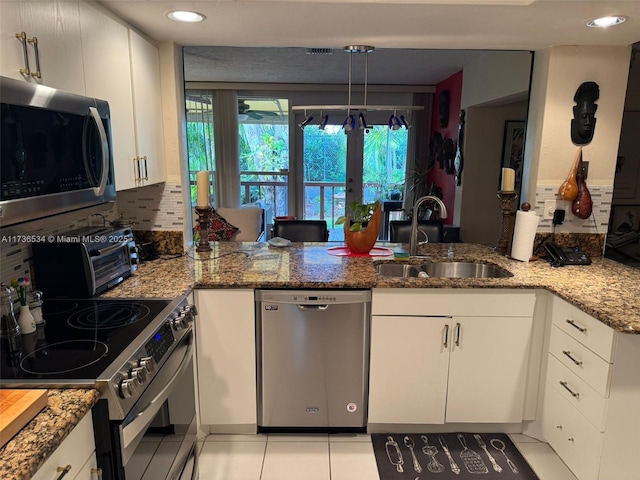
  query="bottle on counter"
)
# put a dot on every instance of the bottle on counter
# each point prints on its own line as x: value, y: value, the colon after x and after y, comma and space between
x: 10, y: 332
x: 35, y: 305
x: 25, y: 319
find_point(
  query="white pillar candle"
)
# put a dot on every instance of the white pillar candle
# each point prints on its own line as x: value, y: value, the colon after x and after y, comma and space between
x: 202, y: 184
x: 508, y: 180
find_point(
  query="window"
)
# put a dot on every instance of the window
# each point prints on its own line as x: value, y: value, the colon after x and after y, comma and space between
x: 264, y: 152
x: 200, y: 141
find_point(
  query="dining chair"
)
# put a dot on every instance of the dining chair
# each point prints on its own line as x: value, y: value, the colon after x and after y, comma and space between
x: 400, y: 231
x: 301, y: 230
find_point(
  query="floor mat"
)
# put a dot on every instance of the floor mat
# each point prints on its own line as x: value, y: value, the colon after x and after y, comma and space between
x: 449, y: 456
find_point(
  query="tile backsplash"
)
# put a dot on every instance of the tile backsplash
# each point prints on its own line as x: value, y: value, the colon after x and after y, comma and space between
x: 158, y: 209
x: 597, y: 223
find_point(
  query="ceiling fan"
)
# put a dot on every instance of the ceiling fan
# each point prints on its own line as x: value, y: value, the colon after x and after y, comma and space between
x: 245, y: 111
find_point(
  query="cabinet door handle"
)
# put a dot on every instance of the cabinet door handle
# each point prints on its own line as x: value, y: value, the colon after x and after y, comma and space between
x: 34, y: 41
x: 63, y: 470
x: 457, y: 334
x: 136, y: 169
x: 568, y: 354
x: 446, y: 336
x: 22, y: 36
x: 97, y: 472
x: 573, y: 324
x: 146, y: 169
x: 573, y: 394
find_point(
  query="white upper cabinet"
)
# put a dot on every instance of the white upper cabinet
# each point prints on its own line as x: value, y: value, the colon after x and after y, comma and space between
x: 147, y: 108
x: 52, y: 44
x: 123, y: 68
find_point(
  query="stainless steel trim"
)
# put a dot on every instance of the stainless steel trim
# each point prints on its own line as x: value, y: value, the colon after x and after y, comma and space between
x: 22, y: 36
x: 34, y: 41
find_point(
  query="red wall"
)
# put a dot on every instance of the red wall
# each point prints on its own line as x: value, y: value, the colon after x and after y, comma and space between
x: 438, y: 176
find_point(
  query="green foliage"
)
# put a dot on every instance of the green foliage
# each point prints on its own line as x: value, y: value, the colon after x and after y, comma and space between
x: 358, y: 213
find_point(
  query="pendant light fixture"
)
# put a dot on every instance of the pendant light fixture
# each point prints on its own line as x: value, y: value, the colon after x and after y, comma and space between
x: 359, y: 110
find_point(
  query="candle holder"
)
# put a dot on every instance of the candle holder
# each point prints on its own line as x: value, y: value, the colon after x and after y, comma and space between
x: 508, y: 221
x: 204, y: 220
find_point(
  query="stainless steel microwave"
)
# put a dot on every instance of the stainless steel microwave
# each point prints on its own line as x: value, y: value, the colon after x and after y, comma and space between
x: 56, y: 153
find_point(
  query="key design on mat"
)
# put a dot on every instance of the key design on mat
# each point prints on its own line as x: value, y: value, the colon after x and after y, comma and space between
x: 500, y: 446
x: 483, y: 446
x: 410, y: 444
x: 434, y: 466
x: 472, y: 461
x: 394, y: 454
x: 452, y: 463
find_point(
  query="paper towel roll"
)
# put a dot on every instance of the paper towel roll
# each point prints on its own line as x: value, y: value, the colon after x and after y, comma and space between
x: 524, y: 235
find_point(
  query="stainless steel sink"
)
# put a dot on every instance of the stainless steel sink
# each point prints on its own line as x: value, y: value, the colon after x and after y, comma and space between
x: 443, y: 270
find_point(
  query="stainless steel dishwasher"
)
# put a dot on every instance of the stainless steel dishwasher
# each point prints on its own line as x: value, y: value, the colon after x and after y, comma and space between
x: 313, y: 359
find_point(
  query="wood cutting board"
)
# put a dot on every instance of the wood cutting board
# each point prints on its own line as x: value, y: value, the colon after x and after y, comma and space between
x: 17, y: 408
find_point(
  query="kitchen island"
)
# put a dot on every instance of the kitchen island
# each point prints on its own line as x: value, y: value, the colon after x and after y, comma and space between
x: 606, y: 290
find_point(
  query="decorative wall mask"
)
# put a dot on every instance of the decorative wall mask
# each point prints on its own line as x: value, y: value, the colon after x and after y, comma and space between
x: 435, y: 154
x: 458, y: 162
x: 443, y: 108
x: 448, y: 152
x: 584, y: 122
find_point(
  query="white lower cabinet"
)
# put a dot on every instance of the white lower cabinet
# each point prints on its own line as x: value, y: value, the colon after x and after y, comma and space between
x: 430, y: 368
x: 226, y: 360
x: 590, y: 414
x: 77, y: 451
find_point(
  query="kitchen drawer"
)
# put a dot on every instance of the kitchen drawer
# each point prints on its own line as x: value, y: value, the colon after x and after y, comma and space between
x: 581, y: 361
x: 584, y: 398
x: 572, y: 436
x: 74, y: 450
x: 592, y: 333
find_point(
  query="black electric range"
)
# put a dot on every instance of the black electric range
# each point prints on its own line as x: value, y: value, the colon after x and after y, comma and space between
x: 114, y: 345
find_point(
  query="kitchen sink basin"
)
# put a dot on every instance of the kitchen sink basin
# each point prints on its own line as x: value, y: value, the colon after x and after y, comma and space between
x: 442, y: 270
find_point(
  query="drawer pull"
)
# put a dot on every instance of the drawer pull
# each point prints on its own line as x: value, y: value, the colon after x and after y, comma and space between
x: 573, y: 324
x: 573, y: 394
x: 63, y: 470
x: 568, y: 354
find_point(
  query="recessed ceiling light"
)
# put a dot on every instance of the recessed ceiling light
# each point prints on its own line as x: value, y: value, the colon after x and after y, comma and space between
x: 186, y: 16
x: 603, y: 22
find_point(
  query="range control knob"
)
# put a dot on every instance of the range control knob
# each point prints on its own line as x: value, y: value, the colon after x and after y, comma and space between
x: 148, y: 364
x: 180, y: 322
x: 128, y: 387
x: 140, y: 374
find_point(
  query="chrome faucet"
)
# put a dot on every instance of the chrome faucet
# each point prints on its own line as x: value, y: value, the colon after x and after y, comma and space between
x: 413, y: 238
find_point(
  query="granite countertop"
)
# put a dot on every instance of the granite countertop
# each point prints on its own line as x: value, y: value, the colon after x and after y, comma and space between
x: 25, y: 453
x: 607, y: 290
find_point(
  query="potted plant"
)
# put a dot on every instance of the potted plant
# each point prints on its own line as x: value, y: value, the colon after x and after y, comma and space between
x: 361, y: 226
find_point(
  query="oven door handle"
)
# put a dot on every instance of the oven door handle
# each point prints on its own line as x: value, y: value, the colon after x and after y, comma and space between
x: 144, y: 417
x: 109, y: 249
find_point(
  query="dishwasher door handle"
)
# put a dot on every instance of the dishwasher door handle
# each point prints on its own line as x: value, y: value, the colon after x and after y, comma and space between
x: 311, y: 308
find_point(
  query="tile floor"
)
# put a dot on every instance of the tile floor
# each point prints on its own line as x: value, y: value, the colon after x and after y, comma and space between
x: 326, y: 457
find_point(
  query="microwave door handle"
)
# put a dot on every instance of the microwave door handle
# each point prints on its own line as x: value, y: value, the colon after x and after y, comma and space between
x: 104, y: 142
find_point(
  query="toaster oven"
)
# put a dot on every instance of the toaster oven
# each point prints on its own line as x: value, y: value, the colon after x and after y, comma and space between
x: 85, y: 262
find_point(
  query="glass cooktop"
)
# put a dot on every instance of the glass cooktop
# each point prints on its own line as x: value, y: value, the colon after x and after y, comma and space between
x: 80, y: 338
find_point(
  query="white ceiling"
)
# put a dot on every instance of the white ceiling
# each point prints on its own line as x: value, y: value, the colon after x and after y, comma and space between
x: 422, y: 28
